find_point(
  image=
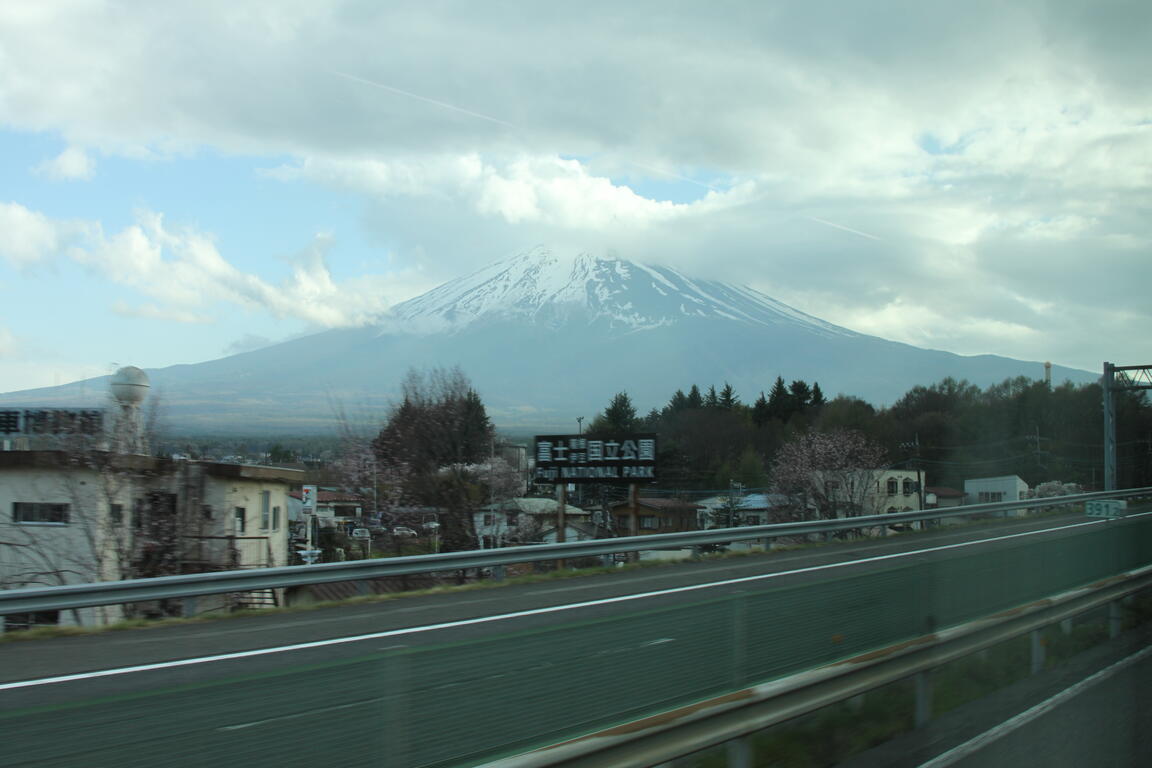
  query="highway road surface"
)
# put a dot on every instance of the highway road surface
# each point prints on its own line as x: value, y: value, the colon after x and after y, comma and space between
x: 455, y: 679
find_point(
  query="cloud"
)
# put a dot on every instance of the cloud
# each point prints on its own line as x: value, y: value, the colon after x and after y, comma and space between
x: 155, y: 312
x: 73, y: 164
x: 185, y: 275
x: 898, y: 167
x: 547, y: 190
x: 249, y: 342
x: 27, y: 237
x: 184, y: 271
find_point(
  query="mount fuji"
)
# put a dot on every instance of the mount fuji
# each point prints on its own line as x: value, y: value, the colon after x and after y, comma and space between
x: 546, y: 339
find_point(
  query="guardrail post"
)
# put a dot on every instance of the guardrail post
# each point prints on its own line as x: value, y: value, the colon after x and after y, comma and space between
x: 739, y: 639
x: 1115, y: 618
x: 923, y: 698
x: 362, y: 588
x: 188, y: 607
x: 1039, y: 650
x: 740, y: 752
x: 394, y: 723
x: 1066, y: 626
x: 498, y: 573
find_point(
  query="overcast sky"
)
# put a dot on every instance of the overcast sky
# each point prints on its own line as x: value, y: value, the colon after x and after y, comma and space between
x: 184, y: 180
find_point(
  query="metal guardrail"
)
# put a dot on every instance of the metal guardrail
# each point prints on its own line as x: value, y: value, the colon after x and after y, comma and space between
x: 689, y: 729
x: 193, y: 585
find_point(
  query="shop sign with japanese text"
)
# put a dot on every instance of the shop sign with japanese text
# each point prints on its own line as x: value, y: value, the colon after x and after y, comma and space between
x: 582, y: 459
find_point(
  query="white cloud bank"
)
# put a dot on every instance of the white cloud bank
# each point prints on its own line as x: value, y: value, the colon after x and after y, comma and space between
x: 976, y: 177
x: 184, y: 274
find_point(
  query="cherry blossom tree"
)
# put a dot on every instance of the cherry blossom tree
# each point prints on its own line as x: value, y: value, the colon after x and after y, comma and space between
x: 828, y: 475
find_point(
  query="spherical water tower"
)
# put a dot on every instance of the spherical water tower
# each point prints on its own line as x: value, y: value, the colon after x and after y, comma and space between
x: 129, y: 387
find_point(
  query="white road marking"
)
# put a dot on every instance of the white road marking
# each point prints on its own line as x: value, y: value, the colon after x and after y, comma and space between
x: 518, y: 614
x: 975, y: 744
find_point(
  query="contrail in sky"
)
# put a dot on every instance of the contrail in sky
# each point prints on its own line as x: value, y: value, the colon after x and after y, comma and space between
x: 504, y: 123
x: 846, y: 229
x: 410, y: 95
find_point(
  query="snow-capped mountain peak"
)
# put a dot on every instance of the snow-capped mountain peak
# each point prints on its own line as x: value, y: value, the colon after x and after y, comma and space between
x: 541, y: 288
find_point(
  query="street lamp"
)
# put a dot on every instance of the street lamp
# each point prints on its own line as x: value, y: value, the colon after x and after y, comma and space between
x: 580, y: 425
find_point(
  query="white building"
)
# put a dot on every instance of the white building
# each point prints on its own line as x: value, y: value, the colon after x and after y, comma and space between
x: 989, y: 490
x: 82, y: 501
x: 68, y: 518
x: 898, y: 490
x: 521, y: 520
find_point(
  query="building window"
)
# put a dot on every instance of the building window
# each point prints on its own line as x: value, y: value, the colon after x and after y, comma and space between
x: 512, y: 519
x: 275, y: 518
x: 489, y: 518
x: 39, y: 513
x: 649, y: 522
x: 265, y: 510
x: 116, y: 513
x: 989, y: 497
x: 206, y: 511
x: 240, y: 514
x: 893, y: 486
x: 909, y: 487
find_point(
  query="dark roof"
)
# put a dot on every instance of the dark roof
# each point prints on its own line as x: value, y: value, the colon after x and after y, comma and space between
x: 668, y: 505
x: 943, y: 490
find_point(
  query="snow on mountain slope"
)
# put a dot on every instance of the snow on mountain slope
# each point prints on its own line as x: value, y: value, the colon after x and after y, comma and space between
x: 541, y: 288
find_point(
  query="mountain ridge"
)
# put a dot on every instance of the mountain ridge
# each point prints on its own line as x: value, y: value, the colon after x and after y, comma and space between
x: 545, y: 340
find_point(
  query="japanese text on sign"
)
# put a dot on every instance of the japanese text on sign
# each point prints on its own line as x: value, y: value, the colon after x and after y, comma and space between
x: 51, y: 421
x: 579, y: 459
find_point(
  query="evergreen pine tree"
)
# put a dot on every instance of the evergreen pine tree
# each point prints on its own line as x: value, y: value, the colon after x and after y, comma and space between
x: 619, y: 416
x: 728, y: 397
x: 779, y: 401
x: 679, y: 402
x: 760, y: 410
x: 818, y: 400
x: 801, y: 395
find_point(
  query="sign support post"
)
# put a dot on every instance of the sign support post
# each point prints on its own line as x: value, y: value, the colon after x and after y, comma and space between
x: 561, y: 519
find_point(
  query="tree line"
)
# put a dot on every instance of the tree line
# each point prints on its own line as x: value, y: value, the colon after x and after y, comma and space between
x: 435, y: 451
x: 951, y: 429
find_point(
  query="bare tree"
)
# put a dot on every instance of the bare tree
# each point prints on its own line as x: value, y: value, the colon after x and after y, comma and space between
x: 431, y: 437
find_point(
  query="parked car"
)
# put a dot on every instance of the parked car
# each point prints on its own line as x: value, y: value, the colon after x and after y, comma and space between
x: 403, y: 531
